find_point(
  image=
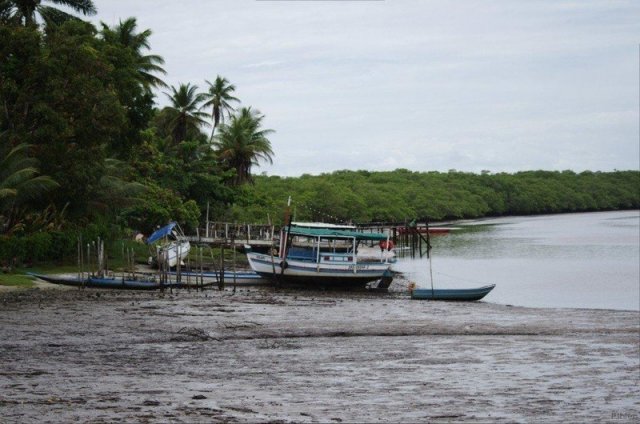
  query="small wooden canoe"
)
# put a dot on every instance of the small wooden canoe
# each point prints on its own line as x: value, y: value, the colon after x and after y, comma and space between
x: 104, y: 283
x: 461, y: 295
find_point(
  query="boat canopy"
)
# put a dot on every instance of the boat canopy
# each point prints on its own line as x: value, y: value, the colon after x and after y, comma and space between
x: 162, y: 232
x: 332, y: 233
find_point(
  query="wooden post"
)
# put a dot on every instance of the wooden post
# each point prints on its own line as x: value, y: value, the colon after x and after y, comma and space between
x: 221, y: 280
x: 233, y: 246
x: 201, y: 271
x: 271, y: 249
x: 206, y: 230
x: 79, y: 261
x: 430, y: 263
x: 178, y: 267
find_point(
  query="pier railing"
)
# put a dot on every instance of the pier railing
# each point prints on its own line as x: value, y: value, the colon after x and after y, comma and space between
x: 408, y: 241
x: 228, y: 232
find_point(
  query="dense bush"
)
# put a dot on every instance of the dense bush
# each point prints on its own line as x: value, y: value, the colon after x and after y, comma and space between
x: 400, y: 195
x: 53, y: 246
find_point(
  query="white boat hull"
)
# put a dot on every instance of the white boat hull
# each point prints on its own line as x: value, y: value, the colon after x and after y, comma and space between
x: 173, y: 252
x: 323, y: 273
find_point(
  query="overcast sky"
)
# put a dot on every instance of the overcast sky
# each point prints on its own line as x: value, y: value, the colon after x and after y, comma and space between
x: 423, y: 85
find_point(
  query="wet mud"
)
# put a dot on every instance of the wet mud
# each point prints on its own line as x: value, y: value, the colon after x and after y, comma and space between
x: 263, y: 355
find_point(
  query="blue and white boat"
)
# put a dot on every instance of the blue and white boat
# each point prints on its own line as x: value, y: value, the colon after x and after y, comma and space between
x: 174, y: 248
x: 321, y: 255
x: 124, y: 283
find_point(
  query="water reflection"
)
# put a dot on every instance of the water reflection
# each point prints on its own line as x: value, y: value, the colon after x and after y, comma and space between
x: 587, y: 260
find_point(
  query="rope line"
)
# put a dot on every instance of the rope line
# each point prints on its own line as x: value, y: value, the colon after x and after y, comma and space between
x: 462, y: 279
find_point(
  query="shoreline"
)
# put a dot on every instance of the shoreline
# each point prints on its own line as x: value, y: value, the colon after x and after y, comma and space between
x: 40, y: 285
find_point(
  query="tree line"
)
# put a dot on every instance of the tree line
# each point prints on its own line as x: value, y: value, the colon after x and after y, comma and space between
x: 402, y: 195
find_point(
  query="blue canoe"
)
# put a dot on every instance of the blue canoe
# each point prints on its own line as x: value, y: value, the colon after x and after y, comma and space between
x: 461, y: 295
x: 105, y: 283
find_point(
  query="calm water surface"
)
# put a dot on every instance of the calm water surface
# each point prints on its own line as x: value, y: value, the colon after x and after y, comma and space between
x: 587, y: 260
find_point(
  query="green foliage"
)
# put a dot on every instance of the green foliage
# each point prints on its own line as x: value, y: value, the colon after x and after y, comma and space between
x: 52, y: 246
x: 218, y: 98
x: 59, y: 96
x: 402, y: 195
x: 23, y: 12
x: 19, y: 183
x: 159, y: 206
x: 181, y: 179
x: 243, y: 143
x: 184, y: 113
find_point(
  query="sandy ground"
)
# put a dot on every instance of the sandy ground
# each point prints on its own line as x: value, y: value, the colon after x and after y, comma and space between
x: 301, y: 356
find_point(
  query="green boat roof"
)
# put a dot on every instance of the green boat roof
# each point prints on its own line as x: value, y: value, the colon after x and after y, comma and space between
x: 331, y: 233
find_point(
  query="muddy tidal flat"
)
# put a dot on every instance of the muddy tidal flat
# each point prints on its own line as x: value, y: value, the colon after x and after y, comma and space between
x: 261, y: 355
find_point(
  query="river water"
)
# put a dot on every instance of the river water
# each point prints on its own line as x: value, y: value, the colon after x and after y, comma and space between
x: 583, y: 260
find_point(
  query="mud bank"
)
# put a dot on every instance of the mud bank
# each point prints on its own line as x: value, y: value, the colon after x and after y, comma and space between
x: 262, y: 355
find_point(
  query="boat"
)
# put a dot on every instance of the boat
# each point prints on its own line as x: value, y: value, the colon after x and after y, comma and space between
x: 317, y: 254
x: 461, y: 295
x: 170, y: 252
x: 105, y: 282
x: 464, y: 295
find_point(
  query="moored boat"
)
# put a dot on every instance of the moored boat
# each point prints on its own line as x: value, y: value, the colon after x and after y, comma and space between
x: 320, y: 255
x: 105, y: 282
x: 463, y: 295
x: 452, y: 294
x: 171, y: 252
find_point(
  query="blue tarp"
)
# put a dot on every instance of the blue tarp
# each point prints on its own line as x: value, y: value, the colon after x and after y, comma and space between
x: 162, y: 232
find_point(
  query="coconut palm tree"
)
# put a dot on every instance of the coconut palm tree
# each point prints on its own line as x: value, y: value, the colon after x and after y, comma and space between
x: 19, y: 182
x: 114, y: 191
x: 219, y: 98
x: 185, y: 108
x: 24, y: 11
x: 125, y: 34
x: 242, y: 144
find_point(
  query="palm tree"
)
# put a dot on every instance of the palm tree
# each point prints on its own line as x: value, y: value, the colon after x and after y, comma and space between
x: 219, y: 98
x: 24, y: 11
x: 114, y: 192
x: 242, y: 144
x: 19, y: 182
x: 185, y: 108
x: 125, y: 34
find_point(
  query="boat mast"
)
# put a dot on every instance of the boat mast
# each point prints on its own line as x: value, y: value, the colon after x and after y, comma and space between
x: 429, y: 258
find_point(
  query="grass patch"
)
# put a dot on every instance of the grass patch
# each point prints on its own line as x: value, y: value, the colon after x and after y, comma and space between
x: 16, y: 280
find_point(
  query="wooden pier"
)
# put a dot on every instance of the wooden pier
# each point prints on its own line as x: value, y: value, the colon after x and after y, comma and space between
x: 409, y: 239
x: 227, y: 233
